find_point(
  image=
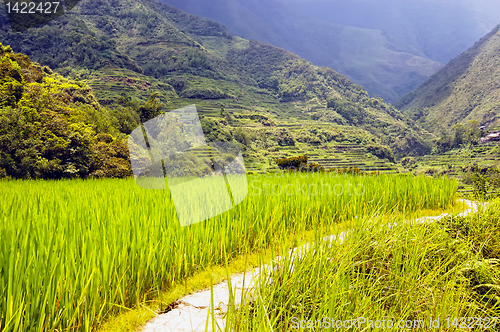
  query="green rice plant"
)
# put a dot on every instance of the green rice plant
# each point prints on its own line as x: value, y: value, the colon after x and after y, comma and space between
x: 75, y: 253
x: 384, y: 275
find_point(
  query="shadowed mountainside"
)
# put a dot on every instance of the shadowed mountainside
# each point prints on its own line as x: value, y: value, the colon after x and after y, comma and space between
x: 465, y: 89
x: 384, y: 65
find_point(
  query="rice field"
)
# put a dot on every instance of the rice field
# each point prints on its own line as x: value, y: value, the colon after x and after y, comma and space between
x: 73, y: 253
x: 442, y: 276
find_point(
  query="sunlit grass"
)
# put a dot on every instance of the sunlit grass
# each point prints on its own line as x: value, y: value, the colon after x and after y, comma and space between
x: 73, y: 253
x: 410, y: 272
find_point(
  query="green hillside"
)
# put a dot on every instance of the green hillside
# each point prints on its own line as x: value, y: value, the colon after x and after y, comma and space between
x: 52, y: 127
x: 383, y: 65
x: 271, y: 101
x: 465, y: 89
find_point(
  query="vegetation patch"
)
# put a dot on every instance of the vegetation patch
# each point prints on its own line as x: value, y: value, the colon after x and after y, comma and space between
x: 143, y: 249
x: 410, y: 273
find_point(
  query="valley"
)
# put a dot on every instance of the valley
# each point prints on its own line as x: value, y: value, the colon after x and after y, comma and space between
x: 113, y: 207
x: 183, y: 59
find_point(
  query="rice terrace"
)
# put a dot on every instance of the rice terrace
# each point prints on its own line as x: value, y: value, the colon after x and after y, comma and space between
x: 81, y: 250
x: 263, y: 165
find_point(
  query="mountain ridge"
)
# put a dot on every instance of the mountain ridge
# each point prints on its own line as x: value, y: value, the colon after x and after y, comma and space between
x: 465, y: 89
x: 127, y: 51
x: 379, y: 63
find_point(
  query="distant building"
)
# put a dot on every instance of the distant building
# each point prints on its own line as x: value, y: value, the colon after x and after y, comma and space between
x: 491, y: 137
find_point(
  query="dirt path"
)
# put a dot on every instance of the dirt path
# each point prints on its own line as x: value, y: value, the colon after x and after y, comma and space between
x: 192, y: 313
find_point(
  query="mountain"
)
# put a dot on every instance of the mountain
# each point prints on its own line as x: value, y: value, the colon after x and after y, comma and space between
x: 138, y: 55
x: 467, y: 88
x: 385, y: 66
x: 440, y: 29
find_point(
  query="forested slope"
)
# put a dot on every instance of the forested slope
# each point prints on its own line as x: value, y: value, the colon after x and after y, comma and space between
x: 52, y: 127
x: 140, y: 58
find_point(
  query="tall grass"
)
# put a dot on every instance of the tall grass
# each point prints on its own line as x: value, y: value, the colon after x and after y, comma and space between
x: 442, y: 276
x: 75, y: 252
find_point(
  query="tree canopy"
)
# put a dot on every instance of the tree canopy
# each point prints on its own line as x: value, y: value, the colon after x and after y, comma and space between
x: 52, y: 127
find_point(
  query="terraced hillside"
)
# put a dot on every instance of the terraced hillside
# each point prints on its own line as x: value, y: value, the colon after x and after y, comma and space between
x: 459, y: 163
x: 271, y: 98
x: 483, y: 155
x: 266, y: 137
x: 110, y: 82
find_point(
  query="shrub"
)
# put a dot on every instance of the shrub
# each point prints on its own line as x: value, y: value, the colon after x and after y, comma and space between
x: 3, y: 174
x: 284, y: 137
x: 299, y: 163
x: 408, y: 162
x: 292, y: 163
x: 243, y: 136
x: 313, y: 167
x: 486, y: 183
x: 351, y: 112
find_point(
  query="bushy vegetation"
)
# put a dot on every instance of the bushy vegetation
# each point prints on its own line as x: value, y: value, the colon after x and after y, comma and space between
x: 465, y: 89
x: 54, y: 128
x: 292, y: 162
x: 204, y: 93
x: 462, y: 136
x: 298, y: 164
x: 352, y: 112
x: 484, y: 180
x: 382, y: 152
x: 70, y: 43
x: 384, y: 270
x: 216, y: 130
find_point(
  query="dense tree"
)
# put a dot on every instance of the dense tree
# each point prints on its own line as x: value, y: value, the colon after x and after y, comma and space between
x: 151, y: 109
x: 461, y: 136
x: 352, y: 112
x: 51, y: 127
x: 381, y: 152
x: 243, y: 136
x: 474, y: 133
